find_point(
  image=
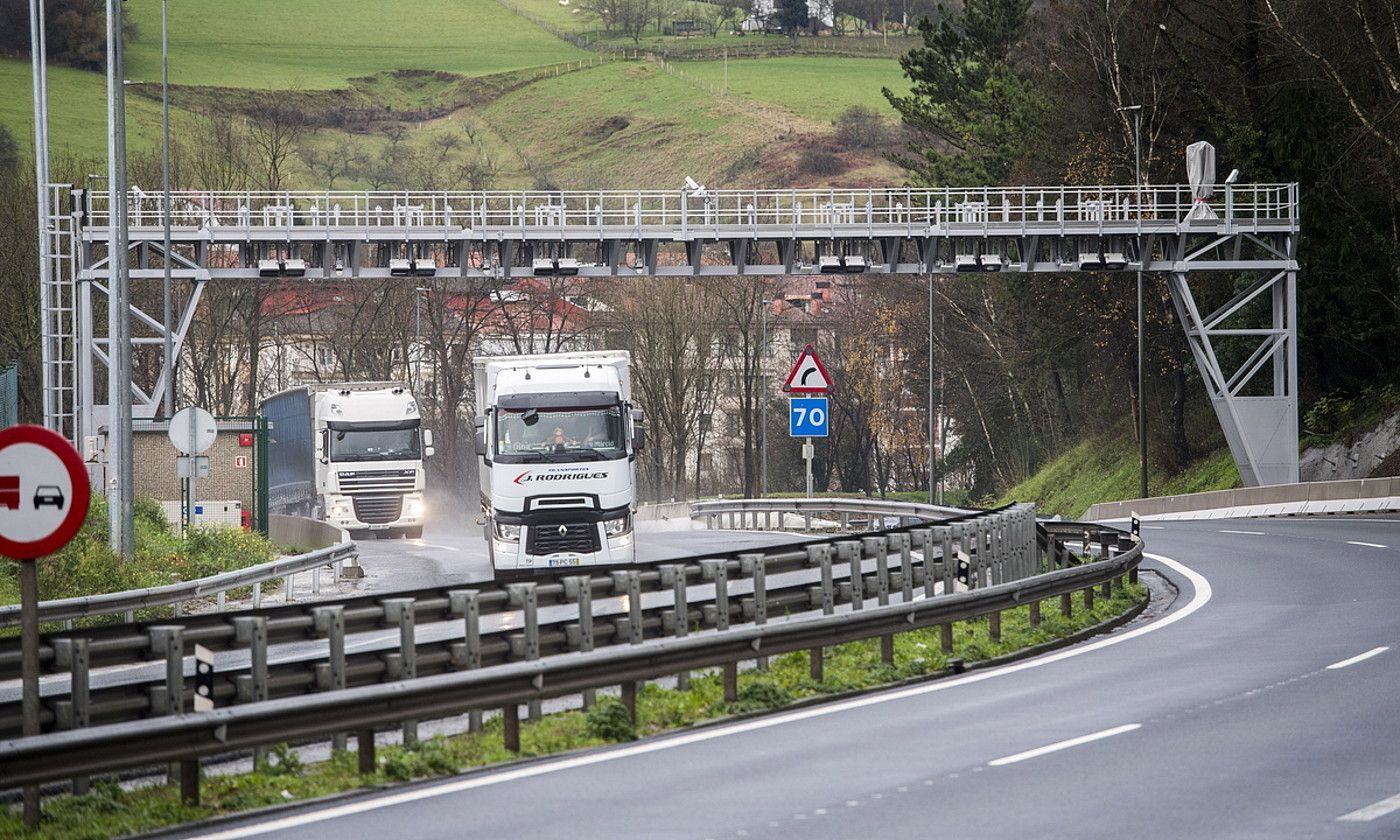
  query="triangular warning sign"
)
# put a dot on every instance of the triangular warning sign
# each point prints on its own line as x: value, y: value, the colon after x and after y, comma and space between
x: 808, y: 376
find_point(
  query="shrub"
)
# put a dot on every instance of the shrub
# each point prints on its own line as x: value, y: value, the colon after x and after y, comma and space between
x: 609, y: 720
x: 760, y: 695
x: 859, y: 127
x: 814, y: 161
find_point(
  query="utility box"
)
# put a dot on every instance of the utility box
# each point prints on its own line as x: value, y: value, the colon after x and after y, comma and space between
x: 217, y: 514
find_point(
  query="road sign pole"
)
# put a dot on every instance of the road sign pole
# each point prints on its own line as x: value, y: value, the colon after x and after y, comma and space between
x: 807, y: 451
x: 29, y: 671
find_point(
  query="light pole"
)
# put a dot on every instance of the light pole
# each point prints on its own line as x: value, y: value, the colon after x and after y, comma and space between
x: 120, y: 499
x: 932, y: 418
x: 165, y: 174
x: 1136, y: 111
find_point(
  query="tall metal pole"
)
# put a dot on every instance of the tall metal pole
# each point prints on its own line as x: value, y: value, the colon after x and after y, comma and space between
x: 1141, y: 333
x: 169, y: 315
x: 38, y: 59
x: 119, y: 486
x: 763, y: 401
x: 932, y: 417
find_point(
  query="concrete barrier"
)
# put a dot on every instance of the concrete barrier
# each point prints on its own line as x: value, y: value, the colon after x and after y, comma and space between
x: 1359, y: 495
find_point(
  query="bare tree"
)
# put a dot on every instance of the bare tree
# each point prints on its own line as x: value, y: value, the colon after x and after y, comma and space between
x: 274, y: 130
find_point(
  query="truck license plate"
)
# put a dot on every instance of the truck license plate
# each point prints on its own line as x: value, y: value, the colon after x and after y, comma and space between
x: 383, y: 527
x: 565, y: 561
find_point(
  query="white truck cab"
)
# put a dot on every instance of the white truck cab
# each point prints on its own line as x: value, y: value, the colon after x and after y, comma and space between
x: 557, y: 439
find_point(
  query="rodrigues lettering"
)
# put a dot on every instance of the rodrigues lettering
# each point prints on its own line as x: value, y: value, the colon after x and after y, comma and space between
x: 530, y: 476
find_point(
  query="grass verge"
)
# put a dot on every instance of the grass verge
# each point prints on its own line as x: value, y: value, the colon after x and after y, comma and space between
x: 110, y: 809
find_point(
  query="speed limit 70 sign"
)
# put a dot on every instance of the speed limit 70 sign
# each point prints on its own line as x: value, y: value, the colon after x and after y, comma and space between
x: 807, y: 417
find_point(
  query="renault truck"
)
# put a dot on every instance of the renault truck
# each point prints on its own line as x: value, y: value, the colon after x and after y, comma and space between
x: 350, y: 454
x: 557, y: 439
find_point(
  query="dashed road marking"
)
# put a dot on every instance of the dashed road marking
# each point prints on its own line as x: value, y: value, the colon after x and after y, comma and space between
x: 1374, y: 811
x: 1064, y: 745
x: 1360, y: 657
x: 1247, y: 533
x: 1365, y: 544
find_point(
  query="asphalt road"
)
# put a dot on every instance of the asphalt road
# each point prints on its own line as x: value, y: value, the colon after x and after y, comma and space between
x: 1246, y: 711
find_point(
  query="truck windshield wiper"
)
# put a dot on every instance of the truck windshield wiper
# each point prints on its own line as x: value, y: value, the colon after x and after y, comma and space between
x: 577, y: 454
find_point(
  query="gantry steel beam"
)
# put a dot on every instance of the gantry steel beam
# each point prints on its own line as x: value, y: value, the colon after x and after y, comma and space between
x: 499, y: 236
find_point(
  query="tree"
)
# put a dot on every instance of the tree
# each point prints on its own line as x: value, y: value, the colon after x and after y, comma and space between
x: 974, y: 115
x: 9, y: 153
x: 793, y: 17
x: 274, y: 130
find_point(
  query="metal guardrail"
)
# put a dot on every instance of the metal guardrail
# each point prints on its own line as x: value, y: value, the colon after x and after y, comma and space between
x: 570, y: 614
x: 1146, y: 208
x: 1368, y: 494
x: 750, y: 514
x: 128, y: 602
x: 188, y: 737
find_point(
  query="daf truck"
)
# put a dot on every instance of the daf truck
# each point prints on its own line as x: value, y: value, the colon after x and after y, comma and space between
x: 557, y: 439
x: 350, y: 454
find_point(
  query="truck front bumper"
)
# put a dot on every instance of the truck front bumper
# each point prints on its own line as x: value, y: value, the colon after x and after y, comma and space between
x: 513, y: 556
x: 340, y: 512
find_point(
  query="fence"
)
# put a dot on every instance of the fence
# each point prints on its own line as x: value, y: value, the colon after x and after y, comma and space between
x: 1348, y: 496
x: 1009, y: 562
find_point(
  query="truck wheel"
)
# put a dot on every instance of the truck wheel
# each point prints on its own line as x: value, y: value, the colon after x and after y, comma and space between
x: 413, y: 533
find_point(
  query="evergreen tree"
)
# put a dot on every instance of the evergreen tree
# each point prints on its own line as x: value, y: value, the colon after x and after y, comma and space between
x: 973, y: 114
x: 793, y: 16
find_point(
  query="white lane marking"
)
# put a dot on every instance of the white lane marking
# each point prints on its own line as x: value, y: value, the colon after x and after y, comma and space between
x: 1153, y: 527
x: 421, y: 544
x: 1366, y: 544
x: 1064, y: 745
x: 1250, y: 533
x: 1202, y: 595
x: 1373, y: 811
x: 1360, y: 657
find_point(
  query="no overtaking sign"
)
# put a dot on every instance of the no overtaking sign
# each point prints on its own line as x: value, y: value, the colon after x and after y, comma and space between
x: 43, y: 492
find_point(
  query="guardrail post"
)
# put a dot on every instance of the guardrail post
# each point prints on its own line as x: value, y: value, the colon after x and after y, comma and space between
x: 947, y: 560
x: 849, y: 550
x: 879, y: 547
x: 329, y: 621
x: 1035, y: 613
x: 821, y: 555
x: 756, y: 567
x: 510, y: 729
x: 994, y: 626
x: 464, y: 603
x: 903, y: 542
x: 718, y: 571
x: 630, y: 584
x: 580, y: 588
x: 252, y: 687
x: 169, y: 699
x: 400, y: 611
x: 996, y: 549
x: 674, y: 576
x: 525, y: 596
x: 73, y: 655
x: 1088, y: 597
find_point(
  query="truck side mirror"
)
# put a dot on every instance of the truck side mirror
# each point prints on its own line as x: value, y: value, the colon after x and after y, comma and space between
x: 639, y: 432
x: 480, y: 434
x: 428, y: 438
x: 429, y: 452
x: 325, y: 448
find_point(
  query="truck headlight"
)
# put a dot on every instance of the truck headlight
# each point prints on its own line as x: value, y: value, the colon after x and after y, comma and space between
x: 510, y: 533
x: 617, y: 527
x: 416, y: 508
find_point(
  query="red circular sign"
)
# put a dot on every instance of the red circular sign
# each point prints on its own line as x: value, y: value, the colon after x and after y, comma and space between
x: 43, y: 492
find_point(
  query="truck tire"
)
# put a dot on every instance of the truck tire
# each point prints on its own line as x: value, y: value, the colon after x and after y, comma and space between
x: 412, y: 533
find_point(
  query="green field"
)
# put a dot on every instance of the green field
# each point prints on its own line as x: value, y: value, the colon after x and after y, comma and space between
x: 814, y: 86
x: 319, y: 44
x: 77, y: 110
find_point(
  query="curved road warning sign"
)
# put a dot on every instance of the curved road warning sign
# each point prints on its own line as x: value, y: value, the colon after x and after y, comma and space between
x: 43, y: 492
x: 808, y: 376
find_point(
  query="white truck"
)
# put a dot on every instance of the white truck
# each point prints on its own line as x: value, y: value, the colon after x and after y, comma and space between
x: 557, y: 439
x: 349, y: 453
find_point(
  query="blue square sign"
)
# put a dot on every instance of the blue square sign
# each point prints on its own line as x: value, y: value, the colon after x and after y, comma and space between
x: 807, y: 416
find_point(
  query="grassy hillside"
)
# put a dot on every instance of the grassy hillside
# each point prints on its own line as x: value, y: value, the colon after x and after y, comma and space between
x: 319, y: 44
x: 815, y: 86
x: 1105, y: 468
x: 77, y: 110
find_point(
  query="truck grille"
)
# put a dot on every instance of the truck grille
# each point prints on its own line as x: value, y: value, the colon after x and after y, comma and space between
x: 377, y: 481
x: 581, y: 537
x: 377, y: 510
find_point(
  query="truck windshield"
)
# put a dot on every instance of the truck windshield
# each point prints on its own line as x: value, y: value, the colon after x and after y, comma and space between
x: 585, y: 433
x: 374, y: 445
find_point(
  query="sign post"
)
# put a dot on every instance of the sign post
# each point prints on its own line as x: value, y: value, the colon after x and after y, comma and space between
x: 808, y: 415
x: 43, y: 502
x: 192, y: 431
